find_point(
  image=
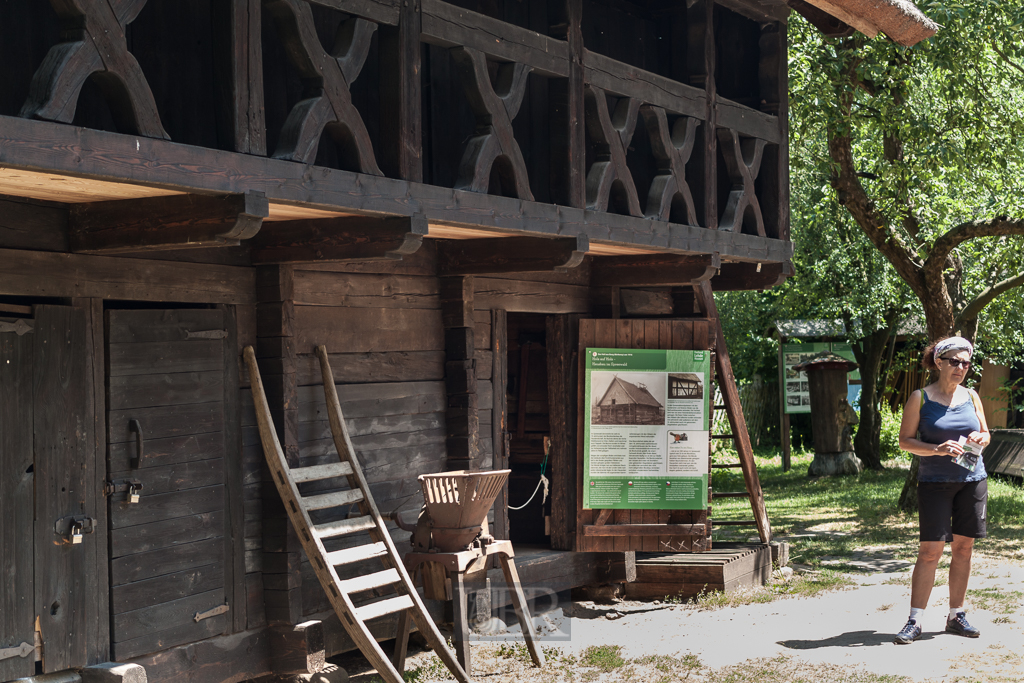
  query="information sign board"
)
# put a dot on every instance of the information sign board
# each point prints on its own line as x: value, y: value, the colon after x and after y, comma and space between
x: 646, y: 429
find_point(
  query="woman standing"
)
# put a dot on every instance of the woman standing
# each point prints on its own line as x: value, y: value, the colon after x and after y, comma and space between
x: 937, y: 421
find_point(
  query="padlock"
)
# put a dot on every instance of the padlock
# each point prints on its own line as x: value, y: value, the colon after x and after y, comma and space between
x: 133, y: 493
x: 76, y: 532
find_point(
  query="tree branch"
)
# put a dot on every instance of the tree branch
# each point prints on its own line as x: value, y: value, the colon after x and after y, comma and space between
x: 1006, y: 58
x: 973, y: 309
x: 994, y: 227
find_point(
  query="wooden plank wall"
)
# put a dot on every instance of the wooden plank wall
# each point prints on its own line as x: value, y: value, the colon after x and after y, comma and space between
x: 381, y: 323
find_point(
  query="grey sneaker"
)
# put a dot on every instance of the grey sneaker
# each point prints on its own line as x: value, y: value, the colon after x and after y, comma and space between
x: 959, y: 626
x: 909, y: 634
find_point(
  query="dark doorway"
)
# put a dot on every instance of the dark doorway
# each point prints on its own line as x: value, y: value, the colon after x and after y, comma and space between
x: 529, y: 430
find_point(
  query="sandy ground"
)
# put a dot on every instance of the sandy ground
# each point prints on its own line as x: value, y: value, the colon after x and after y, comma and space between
x: 851, y: 629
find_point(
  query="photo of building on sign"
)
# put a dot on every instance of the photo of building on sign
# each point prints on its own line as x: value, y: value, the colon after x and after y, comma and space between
x: 628, y: 399
x: 685, y: 385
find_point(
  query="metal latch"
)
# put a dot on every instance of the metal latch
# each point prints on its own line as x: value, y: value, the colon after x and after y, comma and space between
x: 74, y: 527
x: 23, y: 650
x: 132, y: 486
x: 219, y: 609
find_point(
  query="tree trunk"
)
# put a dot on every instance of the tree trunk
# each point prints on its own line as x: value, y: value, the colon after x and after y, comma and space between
x: 869, y: 354
x: 908, y: 497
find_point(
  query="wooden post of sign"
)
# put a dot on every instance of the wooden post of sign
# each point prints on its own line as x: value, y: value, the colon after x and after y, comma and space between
x: 783, y: 415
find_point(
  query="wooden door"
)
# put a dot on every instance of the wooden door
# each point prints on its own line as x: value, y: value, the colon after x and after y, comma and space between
x: 16, y: 502
x: 47, y: 486
x: 643, y: 530
x: 167, y: 551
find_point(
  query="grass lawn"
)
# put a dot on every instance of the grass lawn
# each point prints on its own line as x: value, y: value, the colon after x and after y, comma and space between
x: 831, y: 518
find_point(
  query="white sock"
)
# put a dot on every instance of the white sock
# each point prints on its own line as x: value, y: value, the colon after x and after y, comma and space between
x: 916, y: 613
x: 953, y: 611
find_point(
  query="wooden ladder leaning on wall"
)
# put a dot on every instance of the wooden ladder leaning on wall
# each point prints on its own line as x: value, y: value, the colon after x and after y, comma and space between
x: 339, y: 591
x: 731, y: 396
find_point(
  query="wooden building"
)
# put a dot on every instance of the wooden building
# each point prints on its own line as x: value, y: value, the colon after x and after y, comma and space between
x: 452, y: 197
x: 626, y: 403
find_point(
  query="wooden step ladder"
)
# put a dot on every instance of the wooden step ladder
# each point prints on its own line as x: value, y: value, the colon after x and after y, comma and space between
x: 381, y: 547
x: 737, y: 422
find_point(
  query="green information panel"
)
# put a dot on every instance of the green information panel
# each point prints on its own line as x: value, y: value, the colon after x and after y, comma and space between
x: 646, y: 440
x: 796, y: 394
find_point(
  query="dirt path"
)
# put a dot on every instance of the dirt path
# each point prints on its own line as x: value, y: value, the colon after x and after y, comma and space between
x: 842, y: 635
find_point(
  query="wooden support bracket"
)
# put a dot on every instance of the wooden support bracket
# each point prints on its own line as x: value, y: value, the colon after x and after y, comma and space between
x: 510, y: 255
x: 652, y: 270
x: 350, y: 238
x: 181, y: 221
x: 741, y: 276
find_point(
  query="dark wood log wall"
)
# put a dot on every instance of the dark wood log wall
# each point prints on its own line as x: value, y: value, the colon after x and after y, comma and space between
x: 651, y: 109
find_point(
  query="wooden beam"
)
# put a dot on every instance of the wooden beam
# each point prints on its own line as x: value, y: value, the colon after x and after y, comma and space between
x: 651, y: 270
x: 744, y: 276
x: 649, y: 88
x: 184, y: 221
x: 401, y: 96
x: 339, y: 239
x: 447, y: 25
x: 748, y: 122
x: 643, y: 530
x: 830, y: 26
x: 28, y: 273
x: 58, y: 150
x: 510, y: 255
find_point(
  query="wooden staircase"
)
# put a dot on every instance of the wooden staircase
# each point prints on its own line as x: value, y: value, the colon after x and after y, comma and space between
x: 391, y: 586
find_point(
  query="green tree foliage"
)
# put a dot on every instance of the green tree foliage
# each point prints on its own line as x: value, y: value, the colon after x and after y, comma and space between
x: 907, y: 186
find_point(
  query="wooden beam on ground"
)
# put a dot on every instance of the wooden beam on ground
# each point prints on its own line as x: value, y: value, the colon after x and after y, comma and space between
x: 733, y: 408
x: 510, y: 255
x: 743, y: 276
x: 183, y: 221
x: 651, y: 270
x: 643, y: 529
x: 348, y: 238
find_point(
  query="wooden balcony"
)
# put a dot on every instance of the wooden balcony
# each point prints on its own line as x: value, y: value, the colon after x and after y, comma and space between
x: 427, y: 110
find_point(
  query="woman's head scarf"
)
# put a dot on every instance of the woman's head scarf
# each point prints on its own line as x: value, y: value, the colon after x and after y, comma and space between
x: 953, y: 344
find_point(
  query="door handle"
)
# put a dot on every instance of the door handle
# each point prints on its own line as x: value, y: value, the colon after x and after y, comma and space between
x: 136, y: 428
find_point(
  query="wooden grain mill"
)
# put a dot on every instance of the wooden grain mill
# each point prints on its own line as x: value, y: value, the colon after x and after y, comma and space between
x: 415, y: 185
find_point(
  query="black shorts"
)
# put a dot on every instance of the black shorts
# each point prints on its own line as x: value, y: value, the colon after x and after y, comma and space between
x: 947, y: 508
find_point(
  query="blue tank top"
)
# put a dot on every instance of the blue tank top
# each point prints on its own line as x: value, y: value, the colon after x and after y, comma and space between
x: 941, y: 423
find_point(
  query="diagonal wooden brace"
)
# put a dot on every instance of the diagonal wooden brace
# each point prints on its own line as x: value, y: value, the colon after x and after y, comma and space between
x: 611, y: 130
x: 331, y: 75
x: 670, y: 197
x: 100, y: 49
x: 743, y: 162
x: 495, y: 106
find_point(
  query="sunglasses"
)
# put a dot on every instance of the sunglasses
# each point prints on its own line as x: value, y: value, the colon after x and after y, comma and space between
x: 957, y: 363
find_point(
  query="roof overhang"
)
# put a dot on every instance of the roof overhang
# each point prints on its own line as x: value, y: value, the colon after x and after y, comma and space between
x: 901, y: 20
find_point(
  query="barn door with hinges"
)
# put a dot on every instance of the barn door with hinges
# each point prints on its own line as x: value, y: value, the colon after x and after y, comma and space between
x: 625, y: 406
x: 169, y: 529
x: 48, y: 503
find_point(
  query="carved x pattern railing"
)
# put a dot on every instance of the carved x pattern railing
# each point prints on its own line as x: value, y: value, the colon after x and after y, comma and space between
x: 611, y: 131
x: 743, y: 157
x: 329, y: 76
x: 97, y: 46
x: 671, y: 147
x: 495, y: 106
